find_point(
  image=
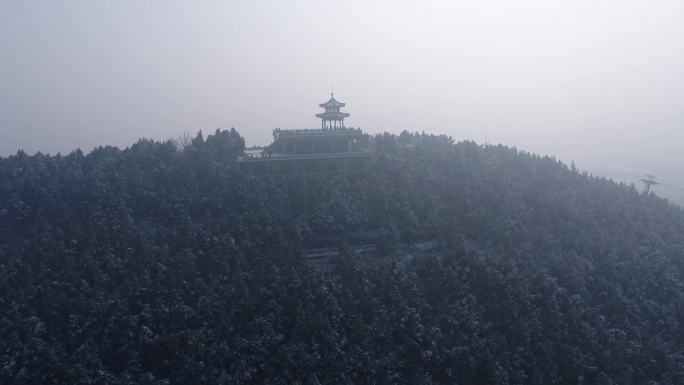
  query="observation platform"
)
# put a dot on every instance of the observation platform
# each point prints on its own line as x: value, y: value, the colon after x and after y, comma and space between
x: 310, y: 151
x: 331, y: 148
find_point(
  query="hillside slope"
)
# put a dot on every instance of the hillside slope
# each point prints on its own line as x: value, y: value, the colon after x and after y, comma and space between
x: 151, y: 265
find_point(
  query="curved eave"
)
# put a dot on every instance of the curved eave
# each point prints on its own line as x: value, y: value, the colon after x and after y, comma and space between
x: 333, y: 116
x: 332, y: 103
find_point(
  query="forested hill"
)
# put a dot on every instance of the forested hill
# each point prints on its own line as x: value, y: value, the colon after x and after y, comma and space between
x: 155, y: 265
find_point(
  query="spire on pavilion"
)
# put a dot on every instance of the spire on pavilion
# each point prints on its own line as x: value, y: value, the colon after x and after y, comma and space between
x: 332, y: 117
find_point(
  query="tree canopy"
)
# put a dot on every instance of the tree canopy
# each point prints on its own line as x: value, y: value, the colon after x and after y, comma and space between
x: 163, y: 265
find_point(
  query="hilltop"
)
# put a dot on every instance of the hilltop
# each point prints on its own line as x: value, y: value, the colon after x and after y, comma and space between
x: 160, y: 265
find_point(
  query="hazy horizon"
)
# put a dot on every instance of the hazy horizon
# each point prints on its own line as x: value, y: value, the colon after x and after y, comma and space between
x: 599, y: 84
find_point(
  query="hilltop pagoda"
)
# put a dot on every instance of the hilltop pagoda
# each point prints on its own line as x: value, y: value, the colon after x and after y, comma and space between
x: 332, y: 117
x: 331, y: 148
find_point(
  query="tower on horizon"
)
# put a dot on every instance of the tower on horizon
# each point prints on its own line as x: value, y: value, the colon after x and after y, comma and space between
x: 332, y: 117
x: 332, y: 149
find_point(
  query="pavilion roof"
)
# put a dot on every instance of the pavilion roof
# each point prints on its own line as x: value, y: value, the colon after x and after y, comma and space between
x: 333, y: 115
x: 332, y: 102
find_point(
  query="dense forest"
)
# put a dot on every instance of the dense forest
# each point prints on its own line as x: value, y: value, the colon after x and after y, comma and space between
x: 165, y: 265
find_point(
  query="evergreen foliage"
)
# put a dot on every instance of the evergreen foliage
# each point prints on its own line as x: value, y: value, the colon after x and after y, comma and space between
x: 155, y: 265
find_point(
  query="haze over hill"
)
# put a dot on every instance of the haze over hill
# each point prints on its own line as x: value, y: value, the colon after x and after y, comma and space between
x: 447, y: 221
x: 600, y: 83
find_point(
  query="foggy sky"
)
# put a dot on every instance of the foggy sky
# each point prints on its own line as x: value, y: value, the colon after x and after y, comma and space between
x: 597, y: 82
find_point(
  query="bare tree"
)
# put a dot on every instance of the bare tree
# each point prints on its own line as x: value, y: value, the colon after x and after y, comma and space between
x: 182, y: 141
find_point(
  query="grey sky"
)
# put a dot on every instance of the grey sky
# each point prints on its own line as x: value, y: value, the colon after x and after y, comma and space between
x: 597, y: 82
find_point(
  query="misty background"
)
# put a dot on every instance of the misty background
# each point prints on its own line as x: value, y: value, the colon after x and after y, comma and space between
x: 597, y: 83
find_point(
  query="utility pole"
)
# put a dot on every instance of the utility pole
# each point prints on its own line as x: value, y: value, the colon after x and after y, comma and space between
x: 649, y: 180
